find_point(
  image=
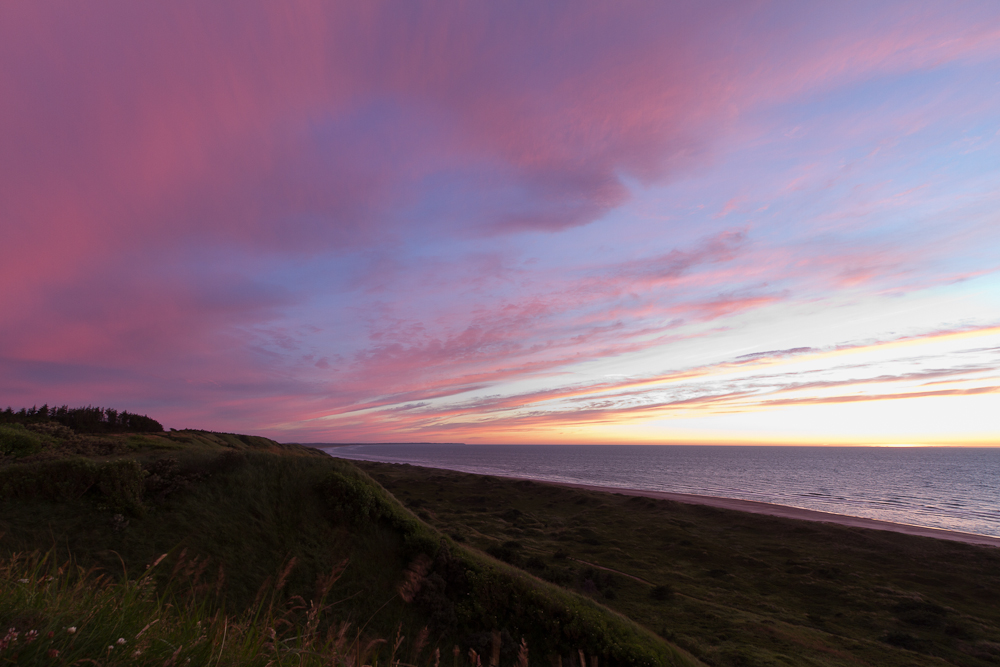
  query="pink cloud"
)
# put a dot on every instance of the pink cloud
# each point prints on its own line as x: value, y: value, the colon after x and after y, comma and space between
x: 696, y: 389
x: 881, y: 397
x: 242, y: 126
x: 186, y: 190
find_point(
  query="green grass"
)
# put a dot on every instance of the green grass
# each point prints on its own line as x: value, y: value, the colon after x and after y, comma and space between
x: 232, y: 512
x: 63, y: 614
x: 730, y: 587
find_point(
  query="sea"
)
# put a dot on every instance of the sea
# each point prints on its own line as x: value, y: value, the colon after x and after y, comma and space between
x: 954, y: 488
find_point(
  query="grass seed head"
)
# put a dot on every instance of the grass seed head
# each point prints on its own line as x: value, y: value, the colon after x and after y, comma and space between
x: 284, y: 574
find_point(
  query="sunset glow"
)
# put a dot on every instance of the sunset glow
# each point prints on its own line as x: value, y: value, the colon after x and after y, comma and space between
x: 704, y: 222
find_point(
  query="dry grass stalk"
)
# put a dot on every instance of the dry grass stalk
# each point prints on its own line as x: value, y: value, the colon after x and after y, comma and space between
x: 418, y: 646
x: 220, y: 580
x: 172, y: 660
x: 522, y: 654
x: 260, y: 592
x: 179, y: 564
x: 325, y: 582
x: 413, y: 577
x: 495, y: 652
x: 396, y: 645
x: 283, y: 579
x: 369, y: 649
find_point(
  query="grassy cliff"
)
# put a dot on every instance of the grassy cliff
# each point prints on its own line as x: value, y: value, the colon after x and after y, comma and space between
x: 255, y: 533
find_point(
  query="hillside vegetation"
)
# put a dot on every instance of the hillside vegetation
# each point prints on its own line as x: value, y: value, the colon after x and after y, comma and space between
x: 733, y: 588
x: 293, y: 551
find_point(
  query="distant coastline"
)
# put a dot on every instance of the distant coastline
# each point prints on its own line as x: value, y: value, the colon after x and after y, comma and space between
x: 321, y: 445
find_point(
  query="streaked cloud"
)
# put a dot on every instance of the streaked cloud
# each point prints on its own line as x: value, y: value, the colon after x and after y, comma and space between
x: 337, y: 221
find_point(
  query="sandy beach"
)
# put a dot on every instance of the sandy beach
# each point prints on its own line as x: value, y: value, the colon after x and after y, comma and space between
x: 797, y: 513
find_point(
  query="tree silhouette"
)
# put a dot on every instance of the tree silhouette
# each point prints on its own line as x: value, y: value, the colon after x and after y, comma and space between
x: 84, y: 420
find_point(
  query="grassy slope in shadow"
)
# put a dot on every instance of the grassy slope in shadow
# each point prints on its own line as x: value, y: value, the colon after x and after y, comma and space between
x: 235, y: 510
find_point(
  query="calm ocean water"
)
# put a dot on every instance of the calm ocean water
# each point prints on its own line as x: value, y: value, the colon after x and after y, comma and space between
x: 955, y: 488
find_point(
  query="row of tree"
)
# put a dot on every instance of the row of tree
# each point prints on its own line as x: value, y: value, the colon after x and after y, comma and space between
x: 83, y: 420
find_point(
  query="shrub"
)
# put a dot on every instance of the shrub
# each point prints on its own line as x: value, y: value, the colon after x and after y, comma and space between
x: 902, y: 640
x: 661, y: 593
x: 512, y: 515
x: 121, y: 485
x: 354, y: 497
x: 116, y: 484
x: 63, y: 480
x: 505, y: 553
x: 535, y: 563
x: 351, y: 495
x: 920, y: 613
x: 17, y: 441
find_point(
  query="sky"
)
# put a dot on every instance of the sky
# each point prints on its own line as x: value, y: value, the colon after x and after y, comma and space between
x: 520, y: 222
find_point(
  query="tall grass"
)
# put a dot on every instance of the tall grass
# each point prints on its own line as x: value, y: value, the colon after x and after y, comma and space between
x: 63, y: 614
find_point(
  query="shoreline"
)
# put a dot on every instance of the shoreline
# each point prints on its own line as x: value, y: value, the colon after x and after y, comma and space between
x: 758, y: 507
x: 788, y: 512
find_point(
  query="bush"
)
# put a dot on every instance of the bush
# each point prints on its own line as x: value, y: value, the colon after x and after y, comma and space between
x: 65, y: 480
x: 505, y: 553
x: 118, y: 485
x: 121, y: 485
x: 354, y: 497
x: 661, y: 593
x: 902, y: 640
x: 17, y: 441
x: 535, y: 563
x: 511, y: 515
